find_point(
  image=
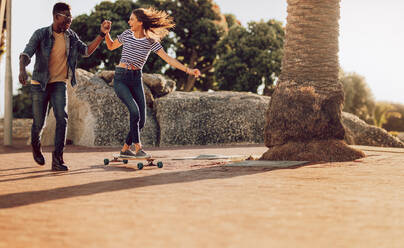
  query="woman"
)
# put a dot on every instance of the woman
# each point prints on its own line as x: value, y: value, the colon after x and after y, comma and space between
x: 147, y: 28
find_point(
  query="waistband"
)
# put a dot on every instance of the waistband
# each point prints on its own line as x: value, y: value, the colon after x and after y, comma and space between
x: 128, y: 67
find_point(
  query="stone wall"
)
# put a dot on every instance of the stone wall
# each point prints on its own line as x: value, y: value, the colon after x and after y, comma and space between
x: 21, y: 128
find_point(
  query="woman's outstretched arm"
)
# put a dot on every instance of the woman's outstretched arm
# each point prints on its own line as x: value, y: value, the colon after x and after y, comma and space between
x: 175, y: 63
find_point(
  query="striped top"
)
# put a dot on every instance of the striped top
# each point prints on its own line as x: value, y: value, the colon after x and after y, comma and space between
x: 136, y: 51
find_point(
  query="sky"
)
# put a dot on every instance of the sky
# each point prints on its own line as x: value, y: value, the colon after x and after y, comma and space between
x: 371, y: 40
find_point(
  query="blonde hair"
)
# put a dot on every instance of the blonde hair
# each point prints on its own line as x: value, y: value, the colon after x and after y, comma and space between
x: 156, y: 23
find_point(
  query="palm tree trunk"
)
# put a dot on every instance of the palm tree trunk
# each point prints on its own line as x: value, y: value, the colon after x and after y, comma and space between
x: 304, y: 115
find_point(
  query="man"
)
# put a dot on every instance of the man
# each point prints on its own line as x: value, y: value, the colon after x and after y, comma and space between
x: 57, y: 48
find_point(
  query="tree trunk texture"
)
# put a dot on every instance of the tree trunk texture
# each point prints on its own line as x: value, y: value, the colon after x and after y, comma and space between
x: 191, y: 79
x: 304, y: 115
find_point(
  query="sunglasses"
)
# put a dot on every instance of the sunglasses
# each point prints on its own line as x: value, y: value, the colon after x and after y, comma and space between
x: 68, y: 17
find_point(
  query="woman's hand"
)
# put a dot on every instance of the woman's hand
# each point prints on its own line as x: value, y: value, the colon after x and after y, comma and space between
x: 106, y: 26
x: 194, y: 72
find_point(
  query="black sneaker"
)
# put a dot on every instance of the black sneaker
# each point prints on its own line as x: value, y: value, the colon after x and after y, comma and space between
x: 142, y: 154
x: 37, y: 154
x: 57, y: 163
x: 127, y: 154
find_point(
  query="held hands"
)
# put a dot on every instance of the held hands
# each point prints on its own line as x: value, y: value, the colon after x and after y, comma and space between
x: 193, y: 72
x: 106, y: 26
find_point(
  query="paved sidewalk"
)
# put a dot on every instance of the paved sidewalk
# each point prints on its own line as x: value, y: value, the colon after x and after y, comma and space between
x: 200, y: 203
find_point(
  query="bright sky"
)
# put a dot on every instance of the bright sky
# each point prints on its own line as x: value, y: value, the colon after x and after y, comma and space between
x: 371, y: 36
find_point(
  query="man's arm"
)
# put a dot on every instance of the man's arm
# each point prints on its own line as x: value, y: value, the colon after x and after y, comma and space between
x: 90, y: 48
x: 23, y: 76
x: 94, y: 44
x: 25, y: 56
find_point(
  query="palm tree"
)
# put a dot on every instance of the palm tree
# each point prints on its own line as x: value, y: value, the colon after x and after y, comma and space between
x: 304, y: 115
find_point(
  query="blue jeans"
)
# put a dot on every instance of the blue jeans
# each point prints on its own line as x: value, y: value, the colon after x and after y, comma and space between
x: 128, y: 87
x: 55, y: 94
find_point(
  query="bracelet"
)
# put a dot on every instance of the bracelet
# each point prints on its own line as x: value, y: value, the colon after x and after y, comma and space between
x: 187, y: 70
x: 102, y: 34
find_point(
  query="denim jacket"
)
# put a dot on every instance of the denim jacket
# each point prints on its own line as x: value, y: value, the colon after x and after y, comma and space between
x: 41, y: 44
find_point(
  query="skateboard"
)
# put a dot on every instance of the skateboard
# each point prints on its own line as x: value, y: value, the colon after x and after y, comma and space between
x: 140, y: 165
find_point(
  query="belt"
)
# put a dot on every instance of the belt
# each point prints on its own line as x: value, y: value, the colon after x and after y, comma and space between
x: 128, y: 67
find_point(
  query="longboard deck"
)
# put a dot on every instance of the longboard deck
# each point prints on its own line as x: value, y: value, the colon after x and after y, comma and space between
x: 118, y: 156
x: 125, y: 160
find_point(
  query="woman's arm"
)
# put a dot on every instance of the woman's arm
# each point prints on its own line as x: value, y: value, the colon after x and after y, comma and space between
x: 106, y: 28
x: 112, y: 45
x: 175, y: 63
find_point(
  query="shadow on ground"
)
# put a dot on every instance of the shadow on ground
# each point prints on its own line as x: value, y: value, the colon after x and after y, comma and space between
x: 32, y: 197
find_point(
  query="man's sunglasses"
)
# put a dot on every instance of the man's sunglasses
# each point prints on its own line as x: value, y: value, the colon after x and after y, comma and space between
x: 69, y: 17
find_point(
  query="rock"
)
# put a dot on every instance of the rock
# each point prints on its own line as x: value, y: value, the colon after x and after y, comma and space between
x: 107, y: 76
x: 361, y: 133
x: 201, y: 118
x: 97, y: 117
x: 158, y: 84
x: 155, y: 85
x: 400, y: 136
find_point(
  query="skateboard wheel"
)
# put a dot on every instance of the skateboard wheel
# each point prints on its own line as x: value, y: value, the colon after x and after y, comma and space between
x: 106, y: 161
x: 140, y: 166
x: 125, y: 161
x: 160, y: 164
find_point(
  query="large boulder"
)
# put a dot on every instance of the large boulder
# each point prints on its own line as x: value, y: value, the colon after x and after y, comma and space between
x: 96, y: 116
x: 359, y: 132
x: 201, y: 118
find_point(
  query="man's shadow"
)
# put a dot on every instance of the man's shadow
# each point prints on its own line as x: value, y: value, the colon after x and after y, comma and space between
x: 215, y: 172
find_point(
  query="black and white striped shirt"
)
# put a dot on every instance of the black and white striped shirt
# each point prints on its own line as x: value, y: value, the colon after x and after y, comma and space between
x: 136, y: 51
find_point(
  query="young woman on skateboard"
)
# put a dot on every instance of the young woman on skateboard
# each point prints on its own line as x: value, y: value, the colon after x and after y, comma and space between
x: 147, y: 28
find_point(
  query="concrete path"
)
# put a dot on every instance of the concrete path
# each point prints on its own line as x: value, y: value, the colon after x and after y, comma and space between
x: 201, y: 203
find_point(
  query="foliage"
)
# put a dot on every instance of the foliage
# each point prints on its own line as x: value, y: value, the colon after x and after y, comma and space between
x: 382, y: 112
x: 250, y: 56
x: 395, y: 121
x: 358, y: 96
x: 22, y: 102
x: 231, y: 20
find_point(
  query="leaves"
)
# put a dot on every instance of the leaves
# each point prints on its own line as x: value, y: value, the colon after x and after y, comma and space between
x: 250, y: 56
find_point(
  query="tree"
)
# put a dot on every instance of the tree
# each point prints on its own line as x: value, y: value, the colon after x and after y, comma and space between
x: 304, y: 115
x: 250, y: 56
x: 358, y: 96
x: 395, y: 122
x: 231, y: 20
x: 22, y: 103
x: 382, y: 112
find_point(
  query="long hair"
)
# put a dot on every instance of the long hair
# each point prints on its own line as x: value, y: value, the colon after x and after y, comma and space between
x: 156, y: 23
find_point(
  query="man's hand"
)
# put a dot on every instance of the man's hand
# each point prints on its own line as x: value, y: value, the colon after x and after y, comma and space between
x: 23, y: 77
x: 106, y: 26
